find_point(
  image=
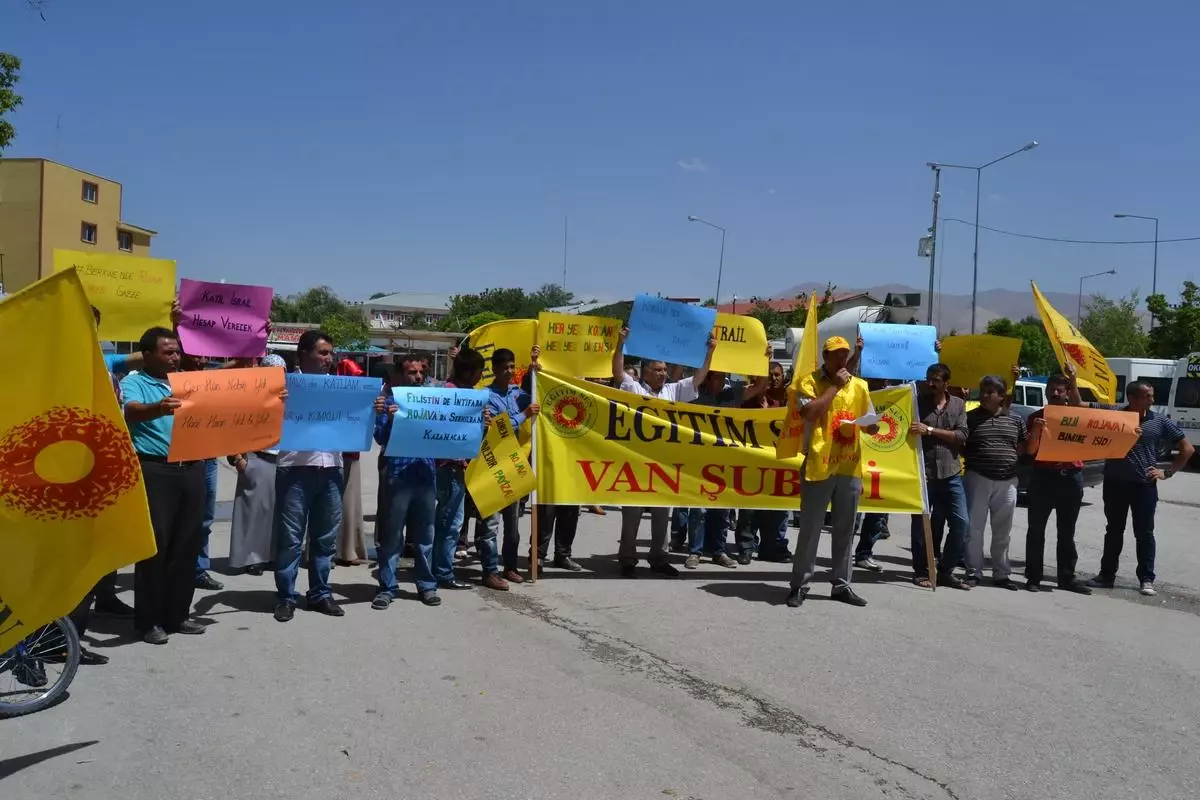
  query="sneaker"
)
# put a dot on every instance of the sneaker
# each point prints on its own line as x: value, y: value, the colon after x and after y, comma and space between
x: 1147, y: 589
x: 493, y: 581
x: 382, y: 602
x: 567, y: 563
x: 664, y: 569
x: 284, y: 612
x: 1102, y: 582
x: 459, y: 555
x: 796, y: 597
x: 848, y: 596
x: 723, y: 560
x: 206, y: 581
x: 869, y: 564
x: 113, y: 607
x: 31, y: 673
x: 692, y: 561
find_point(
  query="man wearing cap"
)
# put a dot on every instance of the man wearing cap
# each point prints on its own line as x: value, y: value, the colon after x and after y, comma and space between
x: 831, y: 400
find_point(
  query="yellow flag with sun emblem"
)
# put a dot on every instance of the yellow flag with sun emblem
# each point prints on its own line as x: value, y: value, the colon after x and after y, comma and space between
x: 72, y: 503
x: 1091, y: 370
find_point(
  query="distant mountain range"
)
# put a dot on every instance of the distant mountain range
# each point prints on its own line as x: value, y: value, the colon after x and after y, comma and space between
x: 953, y: 311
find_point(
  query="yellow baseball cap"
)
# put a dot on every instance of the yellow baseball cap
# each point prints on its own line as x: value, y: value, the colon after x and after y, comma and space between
x: 834, y: 343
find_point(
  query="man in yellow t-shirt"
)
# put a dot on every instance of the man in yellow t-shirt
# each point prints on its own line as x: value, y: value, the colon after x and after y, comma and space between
x: 834, y: 405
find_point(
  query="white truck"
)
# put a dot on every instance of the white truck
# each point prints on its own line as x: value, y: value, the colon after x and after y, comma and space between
x: 1184, y: 405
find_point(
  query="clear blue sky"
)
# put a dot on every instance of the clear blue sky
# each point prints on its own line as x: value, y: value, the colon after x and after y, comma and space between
x: 437, y: 146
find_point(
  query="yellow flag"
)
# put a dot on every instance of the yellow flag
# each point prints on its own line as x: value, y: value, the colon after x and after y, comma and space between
x: 741, y: 346
x: 518, y: 335
x: 133, y: 293
x: 500, y: 475
x: 807, y: 362
x: 72, y: 502
x: 1091, y: 370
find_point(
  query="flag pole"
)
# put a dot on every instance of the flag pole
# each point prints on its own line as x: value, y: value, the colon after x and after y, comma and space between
x: 533, y: 506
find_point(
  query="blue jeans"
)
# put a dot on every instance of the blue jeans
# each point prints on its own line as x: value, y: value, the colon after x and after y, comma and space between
x: 451, y: 501
x: 210, y: 512
x: 487, y: 537
x: 948, y: 508
x: 708, y: 530
x: 306, y: 498
x: 411, y: 507
x: 873, y: 526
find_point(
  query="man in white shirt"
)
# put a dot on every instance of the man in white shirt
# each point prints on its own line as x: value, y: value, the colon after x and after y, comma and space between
x: 654, y: 383
x: 308, y: 493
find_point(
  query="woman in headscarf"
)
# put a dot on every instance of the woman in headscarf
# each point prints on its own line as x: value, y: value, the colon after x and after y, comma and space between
x: 351, y: 541
x: 251, y: 537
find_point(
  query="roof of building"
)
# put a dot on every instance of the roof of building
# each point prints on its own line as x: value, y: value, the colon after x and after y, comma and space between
x: 431, y: 301
x: 588, y: 306
x: 129, y: 226
x: 785, y: 304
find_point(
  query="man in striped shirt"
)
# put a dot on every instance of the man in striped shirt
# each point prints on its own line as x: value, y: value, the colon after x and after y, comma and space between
x: 1131, y: 485
x: 995, y: 438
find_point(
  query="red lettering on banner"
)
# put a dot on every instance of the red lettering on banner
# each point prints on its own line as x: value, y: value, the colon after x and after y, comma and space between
x: 590, y: 477
x: 626, y: 478
x: 739, y: 472
x: 787, y: 483
x: 712, y: 473
x: 871, y: 488
x: 672, y: 483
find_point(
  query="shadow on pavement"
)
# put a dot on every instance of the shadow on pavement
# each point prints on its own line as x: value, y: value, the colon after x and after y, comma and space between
x: 11, y: 766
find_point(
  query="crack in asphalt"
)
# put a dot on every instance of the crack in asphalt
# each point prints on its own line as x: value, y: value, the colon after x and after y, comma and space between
x: 755, y: 712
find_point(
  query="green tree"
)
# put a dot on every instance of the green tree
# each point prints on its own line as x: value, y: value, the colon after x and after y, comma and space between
x: 348, y: 328
x: 1036, y: 352
x: 1115, y: 328
x: 10, y: 74
x: 513, y: 303
x: 343, y: 321
x: 378, y: 295
x: 776, y: 322
x: 1176, y: 329
x: 481, y: 319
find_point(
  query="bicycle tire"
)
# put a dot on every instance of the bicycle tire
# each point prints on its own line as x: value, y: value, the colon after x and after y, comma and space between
x: 46, y: 638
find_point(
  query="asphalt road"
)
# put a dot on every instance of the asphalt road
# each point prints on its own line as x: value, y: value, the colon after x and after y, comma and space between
x: 586, y: 685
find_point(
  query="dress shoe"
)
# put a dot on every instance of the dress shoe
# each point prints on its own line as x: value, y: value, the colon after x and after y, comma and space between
x: 796, y: 598
x: 692, y: 561
x: 284, y: 612
x: 454, y: 584
x: 493, y: 581
x: 113, y: 606
x: 745, y: 557
x: 629, y: 571
x: 723, y: 560
x: 325, y: 605
x: 512, y: 576
x: 567, y: 563
x: 206, y: 581
x: 782, y: 557
x: 1030, y: 586
x: 664, y: 569
x: 848, y: 596
x: 1103, y: 582
x: 155, y: 635
x: 254, y: 569
x: 431, y: 598
x: 30, y: 672
x: 1076, y: 586
x: 1006, y: 583
x: 189, y: 628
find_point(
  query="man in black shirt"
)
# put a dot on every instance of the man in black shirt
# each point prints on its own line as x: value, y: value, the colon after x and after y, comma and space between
x: 995, y: 438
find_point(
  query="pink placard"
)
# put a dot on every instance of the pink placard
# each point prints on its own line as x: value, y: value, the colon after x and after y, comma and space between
x: 224, y: 320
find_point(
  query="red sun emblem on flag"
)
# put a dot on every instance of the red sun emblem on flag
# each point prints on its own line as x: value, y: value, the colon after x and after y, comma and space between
x: 1076, y: 353
x: 889, y: 429
x: 33, y: 481
x: 569, y: 412
x: 845, y: 435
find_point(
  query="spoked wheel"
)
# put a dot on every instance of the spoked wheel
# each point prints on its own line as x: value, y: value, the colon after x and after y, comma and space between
x: 37, y: 672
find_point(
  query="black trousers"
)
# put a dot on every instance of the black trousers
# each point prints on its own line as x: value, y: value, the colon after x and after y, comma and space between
x: 104, y: 589
x: 164, y: 584
x: 1059, y: 492
x: 561, y: 522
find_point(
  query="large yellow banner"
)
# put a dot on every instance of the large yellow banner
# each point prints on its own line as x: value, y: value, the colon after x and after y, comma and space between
x: 597, y: 445
x: 72, y: 503
x: 1091, y: 370
x: 518, y: 335
x: 500, y: 475
x: 132, y: 293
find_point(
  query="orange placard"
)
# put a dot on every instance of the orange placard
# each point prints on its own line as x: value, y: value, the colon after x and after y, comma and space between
x: 226, y: 411
x: 1078, y: 433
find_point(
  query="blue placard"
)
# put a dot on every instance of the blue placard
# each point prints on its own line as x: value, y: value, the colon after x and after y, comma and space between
x: 329, y: 413
x: 897, y: 352
x: 437, y: 423
x: 664, y: 330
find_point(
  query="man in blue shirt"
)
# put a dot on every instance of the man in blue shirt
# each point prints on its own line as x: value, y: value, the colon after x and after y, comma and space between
x: 1131, y: 485
x: 409, y: 491
x: 164, y: 583
x: 506, y: 398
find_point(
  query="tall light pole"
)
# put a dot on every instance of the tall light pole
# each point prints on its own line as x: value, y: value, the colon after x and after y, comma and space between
x: 721, y: 260
x: 933, y: 234
x: 1082, y: 278
x: 1154, y: 275
x: 978, y: 179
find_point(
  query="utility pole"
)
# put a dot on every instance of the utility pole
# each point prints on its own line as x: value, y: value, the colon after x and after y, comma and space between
x: 937, y: 196
x: 564, y: 283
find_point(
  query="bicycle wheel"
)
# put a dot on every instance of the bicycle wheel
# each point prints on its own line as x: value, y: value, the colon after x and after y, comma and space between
x: 37, y: 672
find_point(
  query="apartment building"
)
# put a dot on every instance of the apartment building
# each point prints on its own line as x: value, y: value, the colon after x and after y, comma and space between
x: 405, y: 310
x: 46, y: 206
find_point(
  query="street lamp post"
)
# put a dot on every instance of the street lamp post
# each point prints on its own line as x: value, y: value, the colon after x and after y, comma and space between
x: 1154, y: 275
x: 978, y: 179
x: 1082, y: 278
x: 721, y: 261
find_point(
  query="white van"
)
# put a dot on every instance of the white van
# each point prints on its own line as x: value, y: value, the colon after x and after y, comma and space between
x: 1158, y: 372
x: 1185, y: 399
